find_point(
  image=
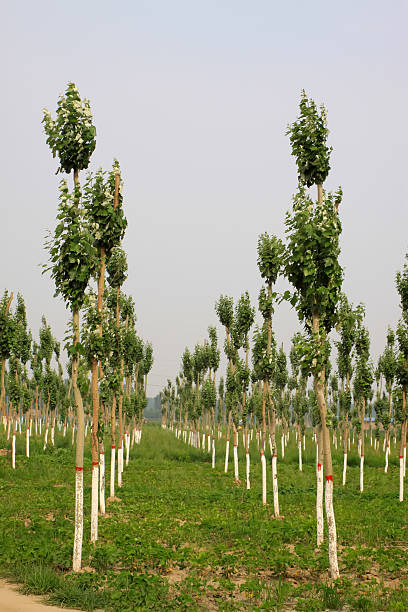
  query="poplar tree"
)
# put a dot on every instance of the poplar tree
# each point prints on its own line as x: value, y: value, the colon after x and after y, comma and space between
x: 364, y: 378
x: 225, y: 312
x: 402, y: 368
x: 347, y: 325
x: 312, y: 267
x: 71, y: 137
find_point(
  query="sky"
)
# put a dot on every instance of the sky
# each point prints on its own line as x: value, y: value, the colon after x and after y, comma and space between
x: 194, y: 97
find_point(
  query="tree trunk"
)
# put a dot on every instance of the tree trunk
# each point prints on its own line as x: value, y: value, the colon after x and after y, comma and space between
x: 79, y: 457
x: 331, y: 523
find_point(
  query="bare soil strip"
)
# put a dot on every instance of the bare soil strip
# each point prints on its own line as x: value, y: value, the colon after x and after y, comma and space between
x: 12, y: 601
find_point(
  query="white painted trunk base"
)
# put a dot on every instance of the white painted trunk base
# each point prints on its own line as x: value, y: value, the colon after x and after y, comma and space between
x: 361, y: 473
x: 120, y: 465
x: 275, y: 485
x: 386, y: 459
x: 344, y: 468
x: 263, y: 464
x: 300, y: 456
x: 112, y: 476
x: 236, y: 473
x: 283, y: 446
x: 226, y: 457
x: 331, y: 528
x: 102, y: 482
x: 27, y: 442
x: 401, y: 479
x: 213, y: 454
x: 94, y: 502
x: 248, y: 468
x: 79, y: 519
x: 127, y: 448
x: 13, y: 452
x: 319, y: 505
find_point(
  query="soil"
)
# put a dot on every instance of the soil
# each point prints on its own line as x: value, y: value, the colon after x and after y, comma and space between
x: 12, y: 601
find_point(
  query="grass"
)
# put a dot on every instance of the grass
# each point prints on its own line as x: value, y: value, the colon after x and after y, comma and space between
x: 185, y: 537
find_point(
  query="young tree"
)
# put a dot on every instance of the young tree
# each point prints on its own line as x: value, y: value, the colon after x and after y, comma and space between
x: 103, y: 205
x: 402, y: 368
x: 362, y: 386
x: 270, y: 259
x: 312, y: 267
x: 347, y: 325
x: 6, y: 340
x: 71, y: 136
x: 243, y: 321
x: 225, y: 312
x: 388, y: 368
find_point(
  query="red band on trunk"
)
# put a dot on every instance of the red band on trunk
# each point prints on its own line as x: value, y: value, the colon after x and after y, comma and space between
x: 95, y: 462
x: 102, y: 453
x: 113, y: 446
x: 79, y: 469
x: 345, y: 452
x: 401, y: 456
x: 262, y: 453
x: 319, y: 467
x: 362, y: 455
x: 329, y: 478
x: 274, y: 455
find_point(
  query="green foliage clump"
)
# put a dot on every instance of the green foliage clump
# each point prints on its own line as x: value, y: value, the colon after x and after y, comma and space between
x: 71, y: 135
x: 308, y: 136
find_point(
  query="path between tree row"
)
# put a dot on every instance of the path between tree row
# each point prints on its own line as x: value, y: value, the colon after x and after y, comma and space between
x: 12, y: 601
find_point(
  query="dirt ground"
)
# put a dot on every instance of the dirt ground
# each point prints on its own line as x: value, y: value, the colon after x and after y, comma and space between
x: 12, y: 601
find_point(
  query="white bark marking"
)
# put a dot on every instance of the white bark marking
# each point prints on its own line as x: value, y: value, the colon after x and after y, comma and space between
x: 226, y: 457
x: 112, y: 477
x: 344, y: 468
x: 94, y: 503
x: 79, y: 520
x: 319, y: 505
x: 331, y: 528
x: 248, y: 468
x: 300, y: 456
x: 236, y: 474
x: 13, y: 454
x: 102, y: 482
x: 401, y: 480
x: 263, y: 464
x: 275, y: 484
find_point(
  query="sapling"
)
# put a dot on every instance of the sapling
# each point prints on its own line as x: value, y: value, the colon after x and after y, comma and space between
x: 270, y: 259
x: 6, y: 341
x: 243, y: 321
x: 313, y: 269
x: 388, y: 365
x: 225, y: 312
x: 71, y: 136
x: 402, y: 368
x: 363, y: 381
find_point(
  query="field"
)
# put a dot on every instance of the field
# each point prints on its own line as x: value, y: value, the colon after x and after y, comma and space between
x: 184, y: 537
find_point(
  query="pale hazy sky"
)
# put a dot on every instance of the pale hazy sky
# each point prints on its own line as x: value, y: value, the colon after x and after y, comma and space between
x: 193, y: 98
